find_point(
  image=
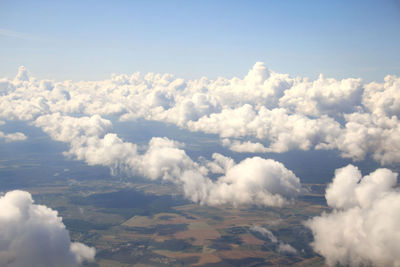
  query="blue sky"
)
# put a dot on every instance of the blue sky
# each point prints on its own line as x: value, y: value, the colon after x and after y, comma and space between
x: 86, y: 40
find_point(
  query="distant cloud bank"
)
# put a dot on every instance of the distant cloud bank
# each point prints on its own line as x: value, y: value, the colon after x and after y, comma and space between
x: 263, y: 112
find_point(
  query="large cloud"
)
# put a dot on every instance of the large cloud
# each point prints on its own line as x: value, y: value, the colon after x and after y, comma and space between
x: 255, y: 181
x: 383, y: 99
x: 33, y: 235
x: 271, y: 110
x: 368, y: 134
x: 252, y: 181
x: 363, y: 227
x: 323, y: 96
x: 282, y: 130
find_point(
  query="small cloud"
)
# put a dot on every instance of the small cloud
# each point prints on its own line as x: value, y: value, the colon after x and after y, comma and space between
x: 281, y: 247
x: 12, y: 137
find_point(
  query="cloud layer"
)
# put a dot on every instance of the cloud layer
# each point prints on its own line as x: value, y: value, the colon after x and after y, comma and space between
x: 363, y: 227
x: 34, y: 235
x: 263, y: 112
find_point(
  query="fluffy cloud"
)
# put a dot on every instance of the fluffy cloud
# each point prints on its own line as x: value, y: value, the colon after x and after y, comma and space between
x: 246, y: 146
x: 33, y: 235
x: 253, y: 181
x: 368, y: 134
x: 383, y: 99
x: 268, y: 111
x: 68, y: 129
x: 282, y: 130
x: 363, y: 227
x: 323, y: 96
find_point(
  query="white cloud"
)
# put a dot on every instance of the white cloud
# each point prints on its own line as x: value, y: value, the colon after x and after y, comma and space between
x: 22, y: 74
x: 219, y: 164
x: 368, y: 134
x: 69, y: 129
x: 253, y: 181
x: 273, y: 111
x: 265, y: 232
x: 34, y: 235
x: 363, y: 227
x: 282, y: 247
x: 12, y: 137
x: 323, y: 96
x: 383, y: 99
x: 247, y: 146
x: 282, y: 130
x: 263, y: 112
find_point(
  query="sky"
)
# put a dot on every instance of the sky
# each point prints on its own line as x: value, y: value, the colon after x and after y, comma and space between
x: 89, y: 40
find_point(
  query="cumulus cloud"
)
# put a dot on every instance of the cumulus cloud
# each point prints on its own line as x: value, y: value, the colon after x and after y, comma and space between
x: 253, y: 181
x: 362, y: 228
x: 323, y: 96
x: 282, y: 130
x: 383, y: 99
x: 267, y: 111
x: 368, y: 134
x: 219, y: 164
x: 34, y: 235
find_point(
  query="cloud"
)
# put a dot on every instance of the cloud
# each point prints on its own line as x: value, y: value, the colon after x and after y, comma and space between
x: 282, y: 130
x: 253, y: 181
x: 362, y: 228
x: 264, y: 111
x: 368, y: 134
x: 247, y: 146
x: 22, y: 75
x: 12, y: 137
x: 267, y: 111
x: 219, y: 164
x: 280, y: 246
x: 69, y: 129
x: 323, y: 97
x: 383, y: 99
x: 34, y: 235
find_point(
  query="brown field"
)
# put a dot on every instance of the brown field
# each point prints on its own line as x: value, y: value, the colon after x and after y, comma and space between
x: 145, y: 221
x: 203, y: 257
x: 251, y: 240
x: 200, y: 235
